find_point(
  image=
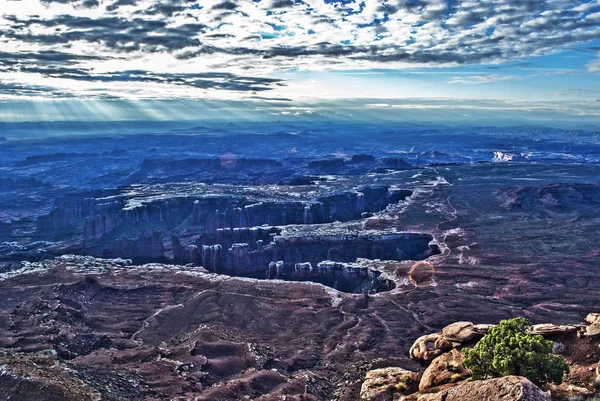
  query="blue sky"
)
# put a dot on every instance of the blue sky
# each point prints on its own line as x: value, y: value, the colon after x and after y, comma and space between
x: 268, y: 59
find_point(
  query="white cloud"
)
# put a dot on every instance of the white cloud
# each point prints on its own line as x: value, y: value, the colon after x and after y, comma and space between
x: 248, y: 39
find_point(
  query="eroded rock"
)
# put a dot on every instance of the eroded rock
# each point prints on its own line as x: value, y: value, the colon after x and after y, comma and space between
x: 424, y: 348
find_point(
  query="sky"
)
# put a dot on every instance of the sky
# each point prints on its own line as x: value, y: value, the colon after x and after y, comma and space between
x: 442, y: 60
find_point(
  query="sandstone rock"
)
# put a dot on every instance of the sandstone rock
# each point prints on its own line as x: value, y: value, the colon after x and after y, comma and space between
x: 592, y: 318
x: 384, y: 384
x: 549, y: 329
x: 424, y: 348
x: 592, y: 330
x: 460, y: 332
x: 444, y: 369
x: 510, y: 388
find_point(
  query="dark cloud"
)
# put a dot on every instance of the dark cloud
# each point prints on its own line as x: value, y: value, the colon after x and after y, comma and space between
x: 276, y: 4
x: 44, y: 57
x: 17, y: 89
x: 120, y: 3
x: 114, y: 32
x: 225, y: 5
x: 209, y: 80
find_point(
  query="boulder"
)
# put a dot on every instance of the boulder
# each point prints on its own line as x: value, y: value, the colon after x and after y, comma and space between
x: 446, y: 368
x: 592, y: 318
x: 549, y: 329
x: 509, y: 388
x: 388, y: 384
x: 593, y: 330
x: 424, y: 349
x: 460, y: 332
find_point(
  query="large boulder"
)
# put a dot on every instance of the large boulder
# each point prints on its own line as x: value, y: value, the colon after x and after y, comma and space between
x: 388, y: 384
x: 460, y: 332
x: 593, y: 330
x: 428, y: 347
x: 425, y: 350
x: 444, y: 369
x: 509, y: 388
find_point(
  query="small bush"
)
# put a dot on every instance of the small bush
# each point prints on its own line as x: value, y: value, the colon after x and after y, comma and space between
x: 508, y: 350
x: 455, y: 377
x: 454, y: 366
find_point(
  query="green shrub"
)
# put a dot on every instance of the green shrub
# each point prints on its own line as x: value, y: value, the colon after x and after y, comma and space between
x: 455, y: 377
x: 508, y: 350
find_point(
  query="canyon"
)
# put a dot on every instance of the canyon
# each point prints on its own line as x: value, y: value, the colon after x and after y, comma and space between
x: 272, y: 262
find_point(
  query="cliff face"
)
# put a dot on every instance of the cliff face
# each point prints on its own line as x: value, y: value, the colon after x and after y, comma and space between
x: 5, y: 229
x: 69, y: 214
x: 101, y: 213
x: 262, y: 252
x: 142, y: 248
x: 120, y: 222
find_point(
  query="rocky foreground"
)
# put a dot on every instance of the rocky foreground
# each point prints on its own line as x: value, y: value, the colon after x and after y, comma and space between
x: 80, y: 328
x: 417, y: 231
x: 445, y: 379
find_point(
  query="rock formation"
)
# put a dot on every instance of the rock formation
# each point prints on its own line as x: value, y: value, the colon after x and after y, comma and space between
x: 593, y: 330
x: 428, y: 347
x: 424, y: 348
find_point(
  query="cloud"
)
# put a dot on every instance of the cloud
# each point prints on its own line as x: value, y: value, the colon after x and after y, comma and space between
x: 171, y: 42
x: 480, y: 79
